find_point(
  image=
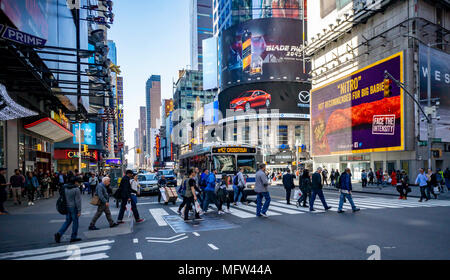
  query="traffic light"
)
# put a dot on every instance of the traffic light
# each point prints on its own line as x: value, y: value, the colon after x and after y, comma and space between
x: 85, y: 148
x: 437, y: 153
x: 387, y: 86
x: 138, y: 151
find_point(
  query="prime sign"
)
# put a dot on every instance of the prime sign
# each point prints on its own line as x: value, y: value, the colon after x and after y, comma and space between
x: 20, y: 37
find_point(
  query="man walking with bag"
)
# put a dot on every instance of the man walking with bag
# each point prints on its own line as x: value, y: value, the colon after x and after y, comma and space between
x: 316, y: 189
x: 210, y: 192
x: 125, y: 191
x: 261, y: 184
x: 288, y: 183
x: 102, y: 198
x: 346, y: 191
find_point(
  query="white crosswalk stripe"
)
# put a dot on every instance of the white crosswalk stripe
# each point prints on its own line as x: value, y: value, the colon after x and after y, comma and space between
x: 94, y: 250
x: 158, y: 214
x: 279, y: 207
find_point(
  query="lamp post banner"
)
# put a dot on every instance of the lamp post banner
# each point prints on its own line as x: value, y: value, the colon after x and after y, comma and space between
x: 352, y: 115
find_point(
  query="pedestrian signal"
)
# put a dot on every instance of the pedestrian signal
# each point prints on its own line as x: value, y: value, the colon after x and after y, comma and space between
x: 387, y: 86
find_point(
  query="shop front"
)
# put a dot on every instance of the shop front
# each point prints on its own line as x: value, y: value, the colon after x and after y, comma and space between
x: 68, y: 159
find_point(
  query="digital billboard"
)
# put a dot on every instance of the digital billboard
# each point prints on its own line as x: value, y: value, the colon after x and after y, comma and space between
x: 89, y: 133
x: 209, y: 63
x: 277, y: 8
x: 211, y: 115
x: 262, y: 50
x: 286, y: 99
x: 440, y: 88
x: 352, y: 115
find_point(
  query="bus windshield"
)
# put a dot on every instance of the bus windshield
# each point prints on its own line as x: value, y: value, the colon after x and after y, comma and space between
x: 247, y: 162
x: 224, y: 163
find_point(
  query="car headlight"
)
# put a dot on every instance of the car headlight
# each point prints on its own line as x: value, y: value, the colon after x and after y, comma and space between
x: 240, y: 102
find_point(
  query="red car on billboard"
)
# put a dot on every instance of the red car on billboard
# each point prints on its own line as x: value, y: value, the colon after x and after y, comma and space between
x: 251, y: 99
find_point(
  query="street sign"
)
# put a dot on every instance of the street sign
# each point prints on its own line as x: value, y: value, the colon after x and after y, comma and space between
x: 20, y: 37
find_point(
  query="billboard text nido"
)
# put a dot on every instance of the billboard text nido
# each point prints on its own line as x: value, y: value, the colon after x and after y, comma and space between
x: 352, y: 114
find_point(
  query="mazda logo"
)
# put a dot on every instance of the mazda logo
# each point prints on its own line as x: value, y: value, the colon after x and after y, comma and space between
x: 303, y: 97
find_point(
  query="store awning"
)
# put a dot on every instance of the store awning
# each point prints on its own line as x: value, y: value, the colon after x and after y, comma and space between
x: 50, y: 129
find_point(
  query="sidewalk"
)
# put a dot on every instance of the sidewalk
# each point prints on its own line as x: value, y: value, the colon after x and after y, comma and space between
x: 388, y: 190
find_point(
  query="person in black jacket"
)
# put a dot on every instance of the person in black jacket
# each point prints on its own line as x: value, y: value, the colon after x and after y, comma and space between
x: 316, y: 189
x: 288, y: 183
x: 305, y: 188
x: 125, y: 191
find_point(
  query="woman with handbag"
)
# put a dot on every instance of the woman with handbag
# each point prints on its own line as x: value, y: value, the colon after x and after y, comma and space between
x: 190, y: 197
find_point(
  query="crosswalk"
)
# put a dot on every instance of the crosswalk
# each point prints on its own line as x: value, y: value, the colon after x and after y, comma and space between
x: 94, y: 250
x: 279, y: 207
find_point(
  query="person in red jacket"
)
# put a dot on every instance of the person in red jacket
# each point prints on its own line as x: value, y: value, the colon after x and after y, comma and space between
x: 394, y: 178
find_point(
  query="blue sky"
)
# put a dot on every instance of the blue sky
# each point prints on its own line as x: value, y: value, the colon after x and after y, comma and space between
x: 152, y: 37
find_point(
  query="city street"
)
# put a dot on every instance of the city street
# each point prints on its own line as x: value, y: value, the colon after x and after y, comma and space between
x: 398, y: 229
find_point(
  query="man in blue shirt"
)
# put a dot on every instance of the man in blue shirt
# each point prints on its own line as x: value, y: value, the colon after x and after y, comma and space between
x: 346, y: 191
x: 422, y: 181
x: 210, y: 192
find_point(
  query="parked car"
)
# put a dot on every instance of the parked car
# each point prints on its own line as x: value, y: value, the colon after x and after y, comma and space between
x: 171, y: 178
x: 251, y: 99
x: 148, y: 183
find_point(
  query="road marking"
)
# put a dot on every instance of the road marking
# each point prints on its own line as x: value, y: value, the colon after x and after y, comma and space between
x: 138, y: 256
x: 240, y: 214
x: 212, y: 246
x: 145, y: 203
x: 167, y: 241
x: 284, y: 210
x: 166, y: 238
x: 196, y: 233
x: 52, y: 249
x: 253, y: 209
x: 94, y: 257
x: 135, y: 240
x: 157, y: 214
x: 68, y: 253
x: 174, y: 209
x: 57, y: 221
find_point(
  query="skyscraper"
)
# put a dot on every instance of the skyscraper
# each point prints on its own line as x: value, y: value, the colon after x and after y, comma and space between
x: 153, y: 105
x: 201, y: 26
x: 142, y: 136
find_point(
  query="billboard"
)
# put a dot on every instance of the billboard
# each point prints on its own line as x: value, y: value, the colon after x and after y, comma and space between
x: 261, y: 50
x: 275, y: 97
x: 120, y: 109
x: 352, y: 115
x: 211, y: 115
x: 209, y: 63
x: 89, y: 133
x: 277, y: 8
x: 440, y: 88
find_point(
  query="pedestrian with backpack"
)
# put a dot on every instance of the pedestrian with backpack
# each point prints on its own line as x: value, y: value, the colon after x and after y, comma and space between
x: 72, y: 201
x: 261, y: 184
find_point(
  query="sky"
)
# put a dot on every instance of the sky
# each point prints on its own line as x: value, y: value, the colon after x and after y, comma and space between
x: 152, y: 38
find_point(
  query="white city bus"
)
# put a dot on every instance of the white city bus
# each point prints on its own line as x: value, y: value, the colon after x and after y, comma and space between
x: 226, y: 159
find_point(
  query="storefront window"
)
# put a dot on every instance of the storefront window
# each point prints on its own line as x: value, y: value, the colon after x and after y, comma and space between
x: 283, y: 135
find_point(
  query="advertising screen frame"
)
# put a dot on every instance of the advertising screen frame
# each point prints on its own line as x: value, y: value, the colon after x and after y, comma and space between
x: 92, y: 126
x: 380, y: 79
x: 271, y: 54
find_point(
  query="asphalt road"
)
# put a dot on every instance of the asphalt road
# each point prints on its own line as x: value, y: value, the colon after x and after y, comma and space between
x: 385, y: 228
